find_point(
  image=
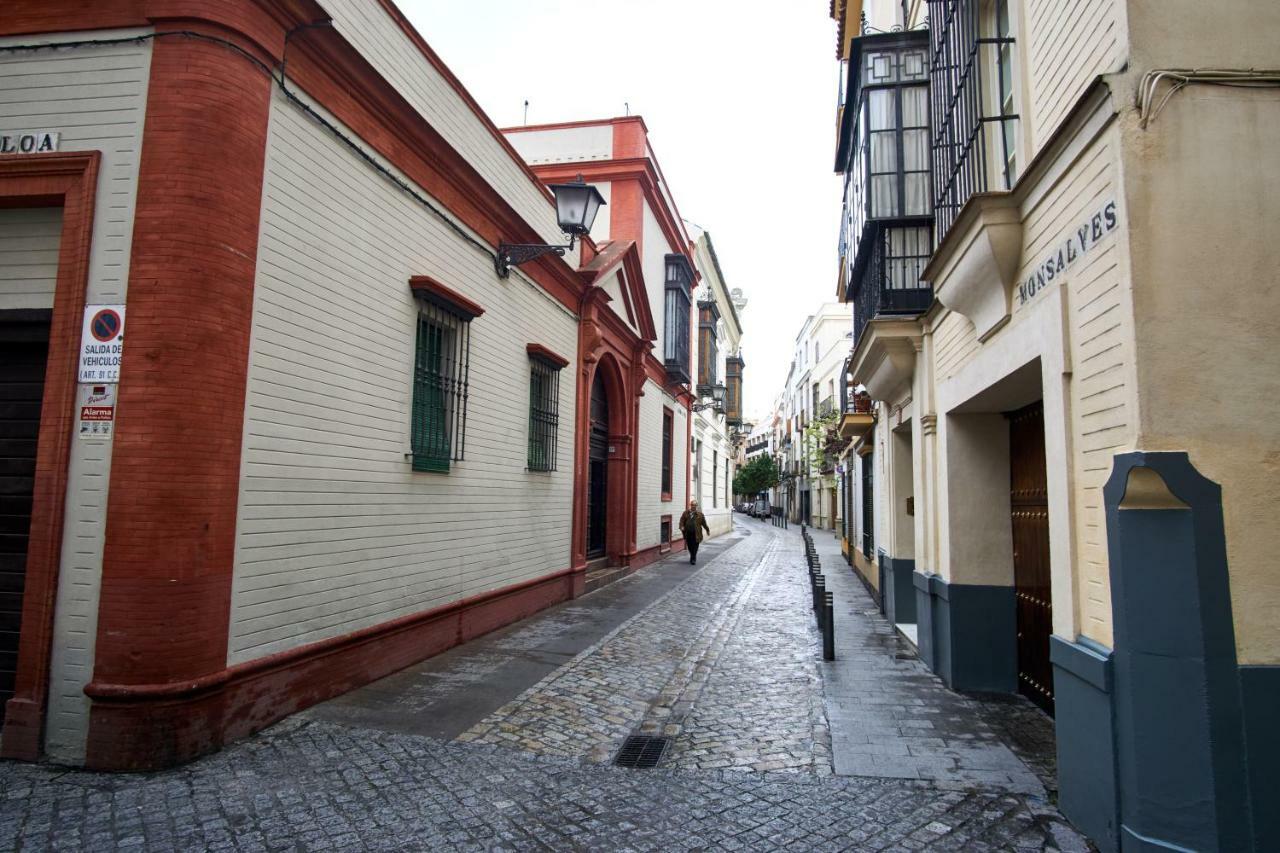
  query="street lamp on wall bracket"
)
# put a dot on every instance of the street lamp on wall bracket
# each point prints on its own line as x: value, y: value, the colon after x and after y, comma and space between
x: 577, y: 204
x: 716, y: 401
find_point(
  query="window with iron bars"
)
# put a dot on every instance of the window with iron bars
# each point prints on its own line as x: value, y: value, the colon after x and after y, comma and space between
x: 544, y: 414
x: 440, y: 374
x: 974, y: 128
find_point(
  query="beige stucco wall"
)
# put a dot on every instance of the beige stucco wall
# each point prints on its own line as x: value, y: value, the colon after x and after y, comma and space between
x: 1202, y: 184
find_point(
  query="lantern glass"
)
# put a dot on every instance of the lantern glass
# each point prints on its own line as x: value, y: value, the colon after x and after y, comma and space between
x: 717, y: 394
x: 577, y: 204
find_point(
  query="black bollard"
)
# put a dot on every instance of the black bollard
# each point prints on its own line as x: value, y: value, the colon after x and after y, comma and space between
x: 819, y: 593
x: 828, y: 626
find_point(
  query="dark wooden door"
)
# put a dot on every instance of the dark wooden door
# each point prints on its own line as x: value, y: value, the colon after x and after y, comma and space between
x: 23, y: 351
x: 1029, y: 498
x: 598, y: 471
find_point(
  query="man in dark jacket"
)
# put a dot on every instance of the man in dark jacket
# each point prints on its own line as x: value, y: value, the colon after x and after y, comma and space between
x: 692, y: 523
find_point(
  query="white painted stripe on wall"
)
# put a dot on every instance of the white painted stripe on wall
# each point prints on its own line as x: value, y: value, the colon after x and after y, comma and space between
x: 335, y: 532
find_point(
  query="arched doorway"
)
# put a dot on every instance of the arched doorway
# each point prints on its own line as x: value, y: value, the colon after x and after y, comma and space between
x: 598, y: 469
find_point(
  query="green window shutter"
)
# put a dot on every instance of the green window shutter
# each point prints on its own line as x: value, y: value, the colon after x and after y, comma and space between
x: 430, y: 428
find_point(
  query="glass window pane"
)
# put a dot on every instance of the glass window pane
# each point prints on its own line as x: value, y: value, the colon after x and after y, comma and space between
x: 884, y: 195
x: 916, y: 202
x: 915, y: 106
x: 882, y: 108
x: 884, y: 153
x: 915, y: 150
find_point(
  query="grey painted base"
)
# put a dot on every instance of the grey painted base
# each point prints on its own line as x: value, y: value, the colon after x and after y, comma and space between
x: 967, y: 633
x: 1085, y: 724
x: 899, y: 590
x: 1260, y: 690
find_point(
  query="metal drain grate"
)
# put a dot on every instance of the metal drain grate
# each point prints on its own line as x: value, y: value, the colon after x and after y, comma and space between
x: 642, y: 751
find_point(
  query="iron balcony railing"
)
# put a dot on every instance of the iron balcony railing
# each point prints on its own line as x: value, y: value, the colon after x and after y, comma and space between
x: 827, y: 406
x: 884, y: 286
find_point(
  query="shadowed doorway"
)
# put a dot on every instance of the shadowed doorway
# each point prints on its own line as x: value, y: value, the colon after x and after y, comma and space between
x: 598, y: 470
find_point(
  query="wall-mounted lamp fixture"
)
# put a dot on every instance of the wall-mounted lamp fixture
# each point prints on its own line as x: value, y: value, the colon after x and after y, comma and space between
x: 716, y: 402
x: 577, y: 204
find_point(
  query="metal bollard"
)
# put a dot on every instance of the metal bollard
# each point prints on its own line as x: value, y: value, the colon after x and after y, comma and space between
x: 828, y: 626
x: 819, y: 593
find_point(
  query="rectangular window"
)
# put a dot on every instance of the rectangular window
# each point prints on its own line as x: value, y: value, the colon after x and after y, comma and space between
x: 668, y: 428
x: 441, y: 364
x: 715, y: 478
x: 544, y: 413
x: 664, y: 530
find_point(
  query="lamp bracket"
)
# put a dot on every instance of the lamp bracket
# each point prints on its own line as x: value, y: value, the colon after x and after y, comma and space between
x: 514, y: 254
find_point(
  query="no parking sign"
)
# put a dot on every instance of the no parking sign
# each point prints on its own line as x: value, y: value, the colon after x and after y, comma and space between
x: 102, y: 343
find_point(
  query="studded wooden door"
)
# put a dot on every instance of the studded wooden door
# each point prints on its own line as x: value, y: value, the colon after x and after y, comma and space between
x: 1029, y: 498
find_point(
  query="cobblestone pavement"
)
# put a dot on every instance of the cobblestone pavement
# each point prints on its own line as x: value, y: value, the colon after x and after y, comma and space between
x: 726, y: 662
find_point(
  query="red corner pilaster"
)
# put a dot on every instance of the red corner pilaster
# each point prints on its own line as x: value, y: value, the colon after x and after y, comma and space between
x: 167, y: 563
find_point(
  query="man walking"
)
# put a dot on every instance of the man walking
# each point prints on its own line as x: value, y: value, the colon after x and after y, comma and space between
x: 692, y: 523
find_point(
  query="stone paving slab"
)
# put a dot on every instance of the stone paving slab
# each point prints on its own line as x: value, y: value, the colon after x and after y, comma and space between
x: 890, y: 716
x: 315, y: 786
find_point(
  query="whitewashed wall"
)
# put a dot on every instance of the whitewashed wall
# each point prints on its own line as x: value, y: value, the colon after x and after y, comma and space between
x: 381, y: 41
x: 336, y: 532
x: 29, y: 239
x: 649, y: 504
x: 95, y: 97
x: 564, y: 144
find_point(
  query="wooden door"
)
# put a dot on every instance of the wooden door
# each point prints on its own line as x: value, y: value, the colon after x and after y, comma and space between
x: 598, y: 472
x: 1029, y: 499
x: 23, y: 351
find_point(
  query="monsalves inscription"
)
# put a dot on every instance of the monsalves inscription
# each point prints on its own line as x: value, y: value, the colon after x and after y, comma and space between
x: 35, y: 142
x: 1085, y: 238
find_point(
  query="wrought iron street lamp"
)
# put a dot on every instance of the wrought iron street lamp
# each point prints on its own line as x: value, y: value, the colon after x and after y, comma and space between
x: 716, y: 402
x: 577, y: 204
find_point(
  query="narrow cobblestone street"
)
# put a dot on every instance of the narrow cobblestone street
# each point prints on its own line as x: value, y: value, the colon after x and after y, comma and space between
x: 506, y: 743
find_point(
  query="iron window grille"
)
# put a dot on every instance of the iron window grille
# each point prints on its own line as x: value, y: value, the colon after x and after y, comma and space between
x: 962, y: 111
x: 544, y: 413
x: 440, y: 375
x: 664, y: 530
x: 677, y: 304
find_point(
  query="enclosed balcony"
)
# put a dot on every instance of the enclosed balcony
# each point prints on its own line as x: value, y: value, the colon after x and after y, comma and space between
x: 887, y: 229
x: 677, y: 302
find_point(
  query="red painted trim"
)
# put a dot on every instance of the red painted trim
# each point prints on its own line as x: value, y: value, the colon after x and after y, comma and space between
x: 634, y: 294
x: 172, y: 509
x: 592, y: 122
x: 200, y: 715
x: 433, y: 291
x: 550, y: 356
x: 71, y: 179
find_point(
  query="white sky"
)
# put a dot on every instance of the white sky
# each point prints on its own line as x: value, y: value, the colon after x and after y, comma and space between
x: 739, y: 97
